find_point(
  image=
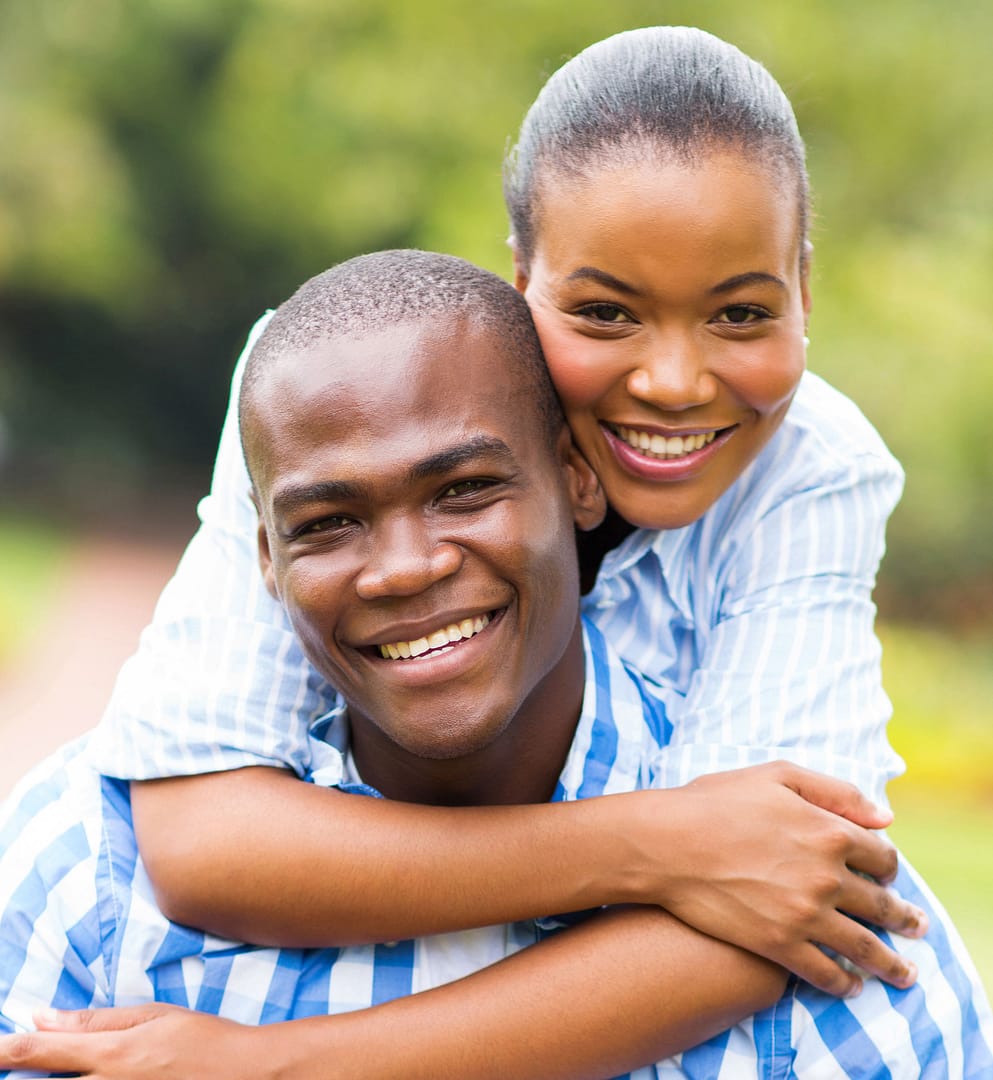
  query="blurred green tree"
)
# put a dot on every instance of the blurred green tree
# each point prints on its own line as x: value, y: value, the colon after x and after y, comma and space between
x: 173, y: 168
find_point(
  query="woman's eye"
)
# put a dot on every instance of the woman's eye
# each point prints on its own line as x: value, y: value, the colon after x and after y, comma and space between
x: 742, y: 314
x: 606, y: 313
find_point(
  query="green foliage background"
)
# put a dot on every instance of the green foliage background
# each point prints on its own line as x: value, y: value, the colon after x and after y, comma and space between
x: 171, y: 168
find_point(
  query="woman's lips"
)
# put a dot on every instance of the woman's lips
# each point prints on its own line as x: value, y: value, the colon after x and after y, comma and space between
x: 666, y: 458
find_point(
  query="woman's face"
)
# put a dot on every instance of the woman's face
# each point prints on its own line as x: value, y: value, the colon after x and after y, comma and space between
x: 671, y: 308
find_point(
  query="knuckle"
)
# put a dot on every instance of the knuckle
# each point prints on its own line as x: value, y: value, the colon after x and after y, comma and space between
x: 824, y: 887
x: 780, y: 937
x: 837, y: 982
x: 865, y: 946
x: 884, y: 907
x: 22, y: 1049
x: 835, y: 838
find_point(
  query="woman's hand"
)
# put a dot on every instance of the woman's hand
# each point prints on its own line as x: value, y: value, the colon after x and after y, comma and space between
x: 771, y: 858
x: 143, y: 1042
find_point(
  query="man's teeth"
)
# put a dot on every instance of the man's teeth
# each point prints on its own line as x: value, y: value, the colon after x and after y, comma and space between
x: 440, y: 641
x: 661, y: 447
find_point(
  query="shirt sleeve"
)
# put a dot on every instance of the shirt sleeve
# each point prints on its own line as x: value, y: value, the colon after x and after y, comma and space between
x: 787, y: 661
x: 218, y: 681
x: 52, y: 939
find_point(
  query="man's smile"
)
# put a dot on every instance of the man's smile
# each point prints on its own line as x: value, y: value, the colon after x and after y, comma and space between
x: 444, y: 639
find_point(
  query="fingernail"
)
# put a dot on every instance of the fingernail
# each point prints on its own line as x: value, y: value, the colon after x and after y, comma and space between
x: 918, y: 924
x: 855, y: 989
x: 46, y: 1016
x: 911, y: 976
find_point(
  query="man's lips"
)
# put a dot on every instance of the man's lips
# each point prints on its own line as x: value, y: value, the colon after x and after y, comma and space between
x: 445, y: 635
x: 444, y: 639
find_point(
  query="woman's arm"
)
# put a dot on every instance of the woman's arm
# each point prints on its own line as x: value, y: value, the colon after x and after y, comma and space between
x: 624, y: 989
x: 328, y: 868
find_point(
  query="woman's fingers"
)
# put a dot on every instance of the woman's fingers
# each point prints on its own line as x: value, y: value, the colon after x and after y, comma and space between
x: 44, y: 1051
x: 870, y: 953
x: 91, y: 1020
x: 879, y: 906
x: 837, y: 796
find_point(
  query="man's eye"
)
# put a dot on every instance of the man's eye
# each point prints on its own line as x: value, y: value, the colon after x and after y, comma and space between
x: 335, y: 523
x: 465, y: 487
x: 605, y: 313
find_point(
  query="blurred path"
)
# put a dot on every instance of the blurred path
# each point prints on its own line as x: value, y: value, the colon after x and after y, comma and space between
x: 59, y: 684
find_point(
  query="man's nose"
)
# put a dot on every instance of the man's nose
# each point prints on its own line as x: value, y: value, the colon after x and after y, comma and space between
x: 405, y: 558
x: 673, y: 374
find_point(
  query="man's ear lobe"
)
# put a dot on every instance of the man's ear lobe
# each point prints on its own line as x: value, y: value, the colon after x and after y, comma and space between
x: 265, y: 555
x: 521, y: 277
x: 589, y: 504
x: 265, y: 563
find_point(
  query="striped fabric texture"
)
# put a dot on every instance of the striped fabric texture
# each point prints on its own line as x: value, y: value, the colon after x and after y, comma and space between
x: 79, y: 928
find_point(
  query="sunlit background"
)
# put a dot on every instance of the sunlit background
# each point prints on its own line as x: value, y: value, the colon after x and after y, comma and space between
x: 170, y: 169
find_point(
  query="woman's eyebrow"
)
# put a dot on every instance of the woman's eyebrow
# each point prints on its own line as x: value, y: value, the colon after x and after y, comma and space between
x: 752, y: 277
x: 601, y: 277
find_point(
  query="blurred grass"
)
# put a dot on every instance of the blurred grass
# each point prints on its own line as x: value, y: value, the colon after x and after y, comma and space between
x: 32, y: 557
x: 942, y: 692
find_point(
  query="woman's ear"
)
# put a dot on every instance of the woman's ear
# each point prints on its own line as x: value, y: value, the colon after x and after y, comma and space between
x: 265, y: 555
x: 808, y: 257
x: 589, y: 504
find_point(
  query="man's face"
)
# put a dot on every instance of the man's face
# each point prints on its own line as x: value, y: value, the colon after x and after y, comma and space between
x: 418, y: 529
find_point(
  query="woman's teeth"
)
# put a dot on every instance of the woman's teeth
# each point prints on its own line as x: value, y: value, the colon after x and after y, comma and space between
x: 440, y: 641
x: 659, y: 446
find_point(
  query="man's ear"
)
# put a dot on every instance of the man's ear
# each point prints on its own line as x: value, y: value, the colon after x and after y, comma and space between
x: 265, y: 555
x: 521, y: 277
x: 589, y: 504
x: 808, y: 258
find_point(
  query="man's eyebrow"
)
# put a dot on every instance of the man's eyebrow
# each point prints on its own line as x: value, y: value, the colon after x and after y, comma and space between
x: 752, y: 277
x: 601, y: 277
x: 294, y: 497
x: 465, y: 453
x: 288, y: 499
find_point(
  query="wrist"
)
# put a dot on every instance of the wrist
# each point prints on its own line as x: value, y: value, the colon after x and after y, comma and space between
x: 638, y: 847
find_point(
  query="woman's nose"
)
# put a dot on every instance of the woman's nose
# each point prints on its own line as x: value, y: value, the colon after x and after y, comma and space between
x: 673, y: 375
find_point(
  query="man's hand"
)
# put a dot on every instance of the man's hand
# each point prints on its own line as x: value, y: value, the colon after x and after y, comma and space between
x: 771, y: 858
x: 144, y: 1042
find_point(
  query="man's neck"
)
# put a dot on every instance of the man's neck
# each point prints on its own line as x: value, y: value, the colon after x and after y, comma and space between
x: 521, y: 766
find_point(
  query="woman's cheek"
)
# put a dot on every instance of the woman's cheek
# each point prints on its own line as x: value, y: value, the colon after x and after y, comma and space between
x: 579, y: 376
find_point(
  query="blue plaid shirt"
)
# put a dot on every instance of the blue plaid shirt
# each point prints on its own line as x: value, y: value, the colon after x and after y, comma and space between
x: 80, y: 928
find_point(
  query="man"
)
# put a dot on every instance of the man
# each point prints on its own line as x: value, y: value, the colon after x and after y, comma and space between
x: 425, y: 557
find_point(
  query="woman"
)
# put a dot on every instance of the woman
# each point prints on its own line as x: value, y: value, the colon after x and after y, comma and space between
x: 658, y: 199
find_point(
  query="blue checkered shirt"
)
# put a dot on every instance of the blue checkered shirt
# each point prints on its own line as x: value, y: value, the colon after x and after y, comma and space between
x: 80, y: 928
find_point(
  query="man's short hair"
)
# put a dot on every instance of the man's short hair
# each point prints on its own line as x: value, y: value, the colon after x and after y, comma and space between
x: 370, y: 293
